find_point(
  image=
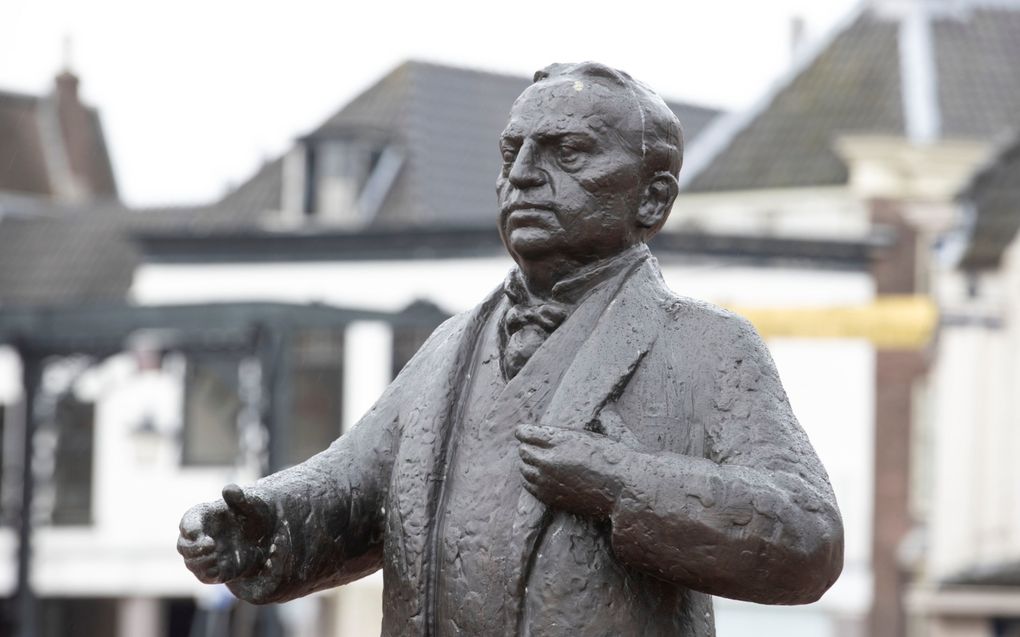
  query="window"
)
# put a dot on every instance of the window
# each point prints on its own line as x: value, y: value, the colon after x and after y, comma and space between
x: 180, y: 617
x: 213, y: 404
x: 417, y: 322
x: 346, y: 179
x: 407, y: 340
x: 317, y: 393
x: 340, y: 169
x: 211, y: 407
x: 72, y: 469
x: 87, y: 617
x: 1006, y: 627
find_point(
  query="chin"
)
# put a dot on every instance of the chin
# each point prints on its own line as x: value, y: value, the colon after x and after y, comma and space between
x: 533, y: 243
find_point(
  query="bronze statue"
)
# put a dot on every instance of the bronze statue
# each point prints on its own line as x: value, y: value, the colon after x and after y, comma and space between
x: 584, y: 453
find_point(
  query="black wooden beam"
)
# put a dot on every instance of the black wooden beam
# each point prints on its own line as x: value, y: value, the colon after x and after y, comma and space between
x: 102, y: 330
x: 250, y: 245
x: 25, y: 606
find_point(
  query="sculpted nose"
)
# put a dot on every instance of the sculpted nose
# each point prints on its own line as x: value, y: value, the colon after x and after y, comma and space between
x: 525, y: 172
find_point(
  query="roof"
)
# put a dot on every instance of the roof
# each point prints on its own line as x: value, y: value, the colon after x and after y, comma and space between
x: 993, y: 202
x: 54, y: 146
x: 262, y: 192
x: 979, y: 87
x: 22, y: 164
x: 75, y: 255
x: 1002, y: 573
x: 852, y: 84
x: 447, y: 121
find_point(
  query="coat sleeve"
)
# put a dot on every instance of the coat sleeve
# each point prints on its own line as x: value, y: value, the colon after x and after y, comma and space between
x: 755, y: 519
x: 330, y: 509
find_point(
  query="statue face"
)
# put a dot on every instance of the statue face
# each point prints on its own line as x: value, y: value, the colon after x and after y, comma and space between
x: 571, y: 181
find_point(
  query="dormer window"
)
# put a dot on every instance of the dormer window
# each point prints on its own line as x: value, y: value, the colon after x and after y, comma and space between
x: 342, y: 180
x: 340, y: 169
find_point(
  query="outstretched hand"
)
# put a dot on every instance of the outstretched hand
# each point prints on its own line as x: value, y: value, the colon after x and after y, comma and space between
x: 576, y: 471
x: 226, y: 539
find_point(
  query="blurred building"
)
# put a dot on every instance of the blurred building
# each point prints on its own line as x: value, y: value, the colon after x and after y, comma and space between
x: 968, y: 556
x: 875, y: 130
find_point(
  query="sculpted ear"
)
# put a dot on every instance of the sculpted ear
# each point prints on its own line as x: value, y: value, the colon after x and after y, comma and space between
x: 657, y: 202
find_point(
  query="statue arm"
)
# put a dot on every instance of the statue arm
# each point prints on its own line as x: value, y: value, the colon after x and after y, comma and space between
x: 330, y: 509
x: 756, y: 519
x: 327, y: 526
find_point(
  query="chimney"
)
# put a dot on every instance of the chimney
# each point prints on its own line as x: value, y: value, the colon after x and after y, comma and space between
x: 67, y: 82
x: 81, y: 166
x: 67, y: 87
x: 74, y: 135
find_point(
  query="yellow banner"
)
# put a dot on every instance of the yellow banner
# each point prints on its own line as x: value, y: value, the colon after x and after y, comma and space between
x: 890, y: 322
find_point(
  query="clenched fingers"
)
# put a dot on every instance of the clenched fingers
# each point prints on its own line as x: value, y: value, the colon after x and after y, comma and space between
x: 191, y: 549
x: 540, y: 436
x: 533, y: 455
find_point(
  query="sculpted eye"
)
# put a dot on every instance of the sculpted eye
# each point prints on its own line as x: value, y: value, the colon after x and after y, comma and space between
x: 568, y: 154
x: 509, y: 147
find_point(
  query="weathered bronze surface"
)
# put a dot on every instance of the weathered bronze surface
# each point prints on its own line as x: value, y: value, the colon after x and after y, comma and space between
x: 584, y: 453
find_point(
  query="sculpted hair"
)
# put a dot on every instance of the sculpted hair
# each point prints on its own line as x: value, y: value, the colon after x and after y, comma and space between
x: 663, y: 136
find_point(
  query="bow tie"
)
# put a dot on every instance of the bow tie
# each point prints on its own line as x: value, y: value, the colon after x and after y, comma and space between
x: 530, y: 320
x: 525, y: 328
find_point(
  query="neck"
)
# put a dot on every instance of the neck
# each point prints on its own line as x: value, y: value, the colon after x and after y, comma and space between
x: 542, y: 275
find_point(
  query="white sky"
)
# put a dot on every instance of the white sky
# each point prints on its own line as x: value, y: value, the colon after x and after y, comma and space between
x: 195, y: 94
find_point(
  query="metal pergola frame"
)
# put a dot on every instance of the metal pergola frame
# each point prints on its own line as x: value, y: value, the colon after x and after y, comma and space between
x: 264, y: 330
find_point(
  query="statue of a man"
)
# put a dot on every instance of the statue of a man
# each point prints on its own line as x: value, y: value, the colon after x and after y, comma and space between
x: 584, y: 453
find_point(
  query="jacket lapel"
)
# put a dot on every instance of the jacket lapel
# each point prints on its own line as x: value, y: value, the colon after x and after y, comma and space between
x: 610, y: 340
x: 528, y: 394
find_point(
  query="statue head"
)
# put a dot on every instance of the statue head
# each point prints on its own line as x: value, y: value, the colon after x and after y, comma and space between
x: 590, y: 164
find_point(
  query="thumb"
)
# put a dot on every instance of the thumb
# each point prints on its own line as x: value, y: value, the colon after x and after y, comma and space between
x: 237, y: 501
x: 615, y: 428
x: 252, y: 513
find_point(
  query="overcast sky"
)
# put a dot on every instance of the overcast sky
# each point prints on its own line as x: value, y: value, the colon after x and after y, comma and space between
x: 195, y: 94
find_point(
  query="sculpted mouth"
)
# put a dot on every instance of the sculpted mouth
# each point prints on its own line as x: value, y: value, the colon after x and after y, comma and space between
x: 521, y: 218
x: 528, y: 206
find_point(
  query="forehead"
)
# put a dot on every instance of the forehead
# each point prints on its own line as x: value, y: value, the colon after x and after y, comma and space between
x: 571, y: 105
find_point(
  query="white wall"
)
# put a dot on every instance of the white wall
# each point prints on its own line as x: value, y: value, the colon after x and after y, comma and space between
x: 819, y: 213
x: 974, y: 512
x: 453, y: 284
x: 10, y: 376
x: 459, y: 284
